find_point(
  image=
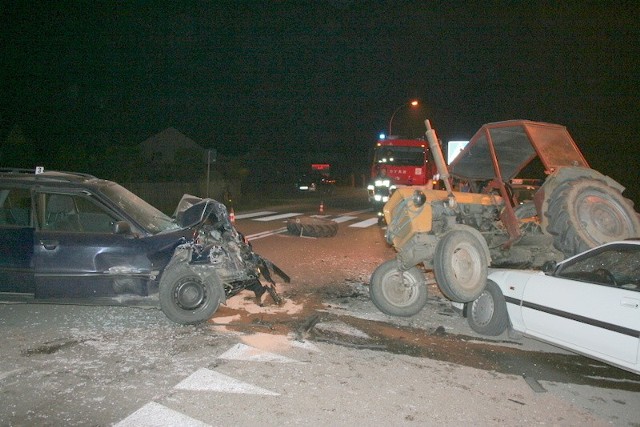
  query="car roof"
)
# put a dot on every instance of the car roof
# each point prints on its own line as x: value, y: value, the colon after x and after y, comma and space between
x: 47, y: 177
x: 516, y: 143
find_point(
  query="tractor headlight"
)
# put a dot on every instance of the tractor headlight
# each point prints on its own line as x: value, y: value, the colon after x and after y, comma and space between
x: 419, y: 198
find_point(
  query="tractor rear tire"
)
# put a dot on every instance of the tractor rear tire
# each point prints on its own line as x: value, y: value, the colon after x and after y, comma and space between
x: 312, y: 227
x: 460, y: 265
x: 586, y: 212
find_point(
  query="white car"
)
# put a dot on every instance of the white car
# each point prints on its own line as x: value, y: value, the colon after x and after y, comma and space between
x: 589, y: 303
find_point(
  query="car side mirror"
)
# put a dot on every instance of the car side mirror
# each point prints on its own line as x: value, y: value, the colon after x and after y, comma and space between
x: 549, y: 266
x: 121, y: 227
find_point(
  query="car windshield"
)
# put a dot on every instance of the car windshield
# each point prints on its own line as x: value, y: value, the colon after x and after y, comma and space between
x: 400, y: 156
x: 618, y: 263
x: 147, y: 216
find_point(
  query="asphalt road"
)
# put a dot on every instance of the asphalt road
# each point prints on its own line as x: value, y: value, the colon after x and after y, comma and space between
x: 327, y: 356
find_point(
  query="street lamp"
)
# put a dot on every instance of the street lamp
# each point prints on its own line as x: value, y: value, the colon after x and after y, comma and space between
x: 413, y: 103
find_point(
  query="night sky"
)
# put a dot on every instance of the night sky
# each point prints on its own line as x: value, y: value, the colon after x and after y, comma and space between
x: 321, y: 76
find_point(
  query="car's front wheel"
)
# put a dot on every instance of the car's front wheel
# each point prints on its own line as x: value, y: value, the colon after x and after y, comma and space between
x: 487, y: 315
x: 186, y: 297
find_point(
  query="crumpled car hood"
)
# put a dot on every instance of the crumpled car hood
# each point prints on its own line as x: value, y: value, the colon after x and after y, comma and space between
x: 192, y: 211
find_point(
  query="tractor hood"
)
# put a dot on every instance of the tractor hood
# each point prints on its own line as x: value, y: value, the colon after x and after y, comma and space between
x: 513, y: 145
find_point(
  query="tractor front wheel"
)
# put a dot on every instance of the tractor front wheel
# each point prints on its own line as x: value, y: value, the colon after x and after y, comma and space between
x: 460, y: 264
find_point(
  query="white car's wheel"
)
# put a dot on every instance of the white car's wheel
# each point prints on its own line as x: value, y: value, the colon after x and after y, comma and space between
x: 487, y: 315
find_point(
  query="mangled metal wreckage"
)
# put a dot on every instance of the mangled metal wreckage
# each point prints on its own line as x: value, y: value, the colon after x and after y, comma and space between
x: 73, y: 237
x: 215, y: 264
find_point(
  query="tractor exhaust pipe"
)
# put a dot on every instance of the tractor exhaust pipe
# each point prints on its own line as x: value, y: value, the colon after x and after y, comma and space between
x: 438, y: 157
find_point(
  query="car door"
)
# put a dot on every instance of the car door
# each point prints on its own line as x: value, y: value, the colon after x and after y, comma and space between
x: 76, y: 252
x: 16, y: 241
x: 591, y: 313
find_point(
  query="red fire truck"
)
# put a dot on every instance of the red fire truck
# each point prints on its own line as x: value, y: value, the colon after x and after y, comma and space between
x: 399, y: 162
x: 407, y: 161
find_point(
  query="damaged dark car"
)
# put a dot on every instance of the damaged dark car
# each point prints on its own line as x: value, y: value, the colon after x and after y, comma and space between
x: 73, y: 237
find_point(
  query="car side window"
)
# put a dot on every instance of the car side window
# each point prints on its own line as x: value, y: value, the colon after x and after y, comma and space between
x: 74, y: 212
x: 617, y: 266
x: 94, y: 218
x: 15, y: 207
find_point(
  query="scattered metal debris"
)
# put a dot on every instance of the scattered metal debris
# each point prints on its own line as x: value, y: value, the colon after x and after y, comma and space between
x: 534, y: 384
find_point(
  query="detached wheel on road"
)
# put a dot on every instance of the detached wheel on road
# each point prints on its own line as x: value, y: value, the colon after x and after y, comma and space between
x: 398, y: 293
x: 460, y: 264
x: 586, y: 212
x: 312, y: 227
x: 488, y: 314
x: 187, y: 298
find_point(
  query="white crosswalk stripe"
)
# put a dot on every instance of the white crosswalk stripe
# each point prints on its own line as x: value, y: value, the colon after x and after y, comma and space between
x: 266, y: 216
x: 276, y: 217
x: 155, y: 415
x: 366, y: 223
x: 344, y: 218
x: 207, y: 380
x: 266, y: 233
x: 245, y: 352
x: 254, y: 214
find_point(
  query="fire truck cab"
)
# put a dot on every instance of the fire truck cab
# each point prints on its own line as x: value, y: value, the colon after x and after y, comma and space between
x: 398, y: 162
x: 406, y: 161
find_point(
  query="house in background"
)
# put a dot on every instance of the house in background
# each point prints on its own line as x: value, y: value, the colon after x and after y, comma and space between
x: 171, y: 156
x: 170, y: 147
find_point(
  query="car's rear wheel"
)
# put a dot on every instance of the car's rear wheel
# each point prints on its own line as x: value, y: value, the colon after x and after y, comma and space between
x: 460, y: 264
x: 396, y: 292
x: 586, y: 212
x: 187, y: 298
x: 487, y: 315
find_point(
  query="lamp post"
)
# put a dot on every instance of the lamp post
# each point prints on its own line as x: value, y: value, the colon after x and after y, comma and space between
x: 413, y: 103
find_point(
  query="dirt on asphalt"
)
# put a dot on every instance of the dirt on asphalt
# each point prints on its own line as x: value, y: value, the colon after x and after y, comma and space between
x: 328, y: 301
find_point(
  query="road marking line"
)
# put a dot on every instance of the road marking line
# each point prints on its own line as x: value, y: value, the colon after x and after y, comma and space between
x: 344, y: 218
x: 207, y: 380
x: 245, y: 352
x: 266, y: 234
x: 154, y: 414
x: 366, y: 223
x: 275, y: 217
x: 254, y: 214
x: 359, y: 212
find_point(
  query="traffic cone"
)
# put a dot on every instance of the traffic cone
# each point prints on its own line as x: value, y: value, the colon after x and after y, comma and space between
x: 321, y: 206
x: 232, y: 216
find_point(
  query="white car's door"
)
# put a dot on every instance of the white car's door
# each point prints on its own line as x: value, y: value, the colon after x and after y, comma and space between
x: 593, y: 319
